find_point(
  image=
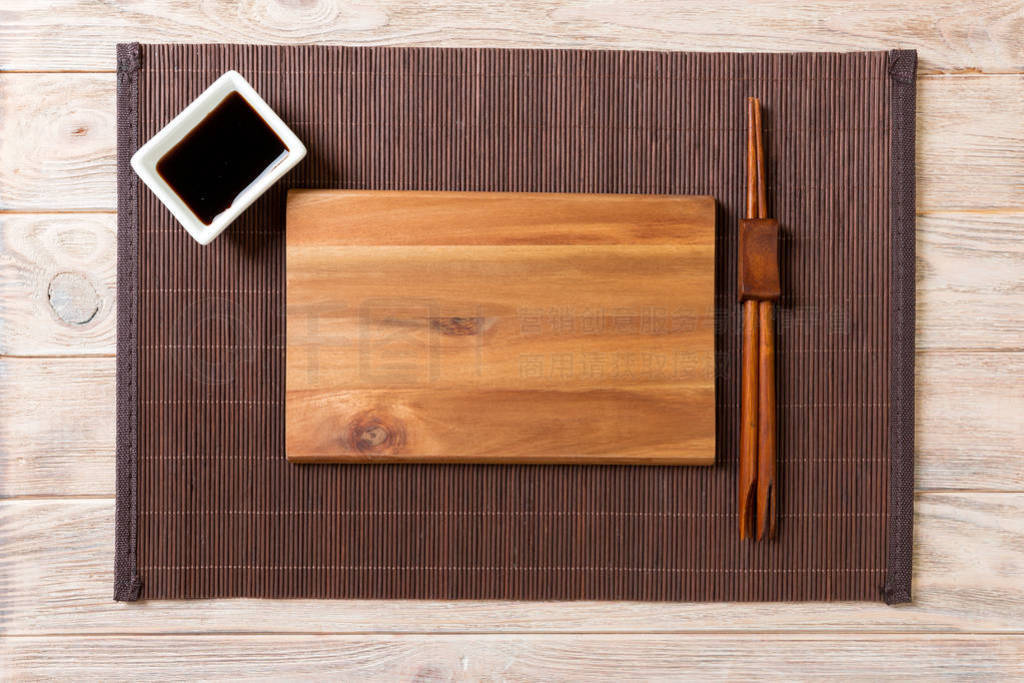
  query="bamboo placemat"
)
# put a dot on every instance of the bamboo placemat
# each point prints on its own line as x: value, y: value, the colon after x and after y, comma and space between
x: 207, y: 504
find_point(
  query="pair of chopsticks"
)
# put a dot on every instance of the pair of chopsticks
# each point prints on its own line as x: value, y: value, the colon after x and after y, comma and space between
x: 759, y: 289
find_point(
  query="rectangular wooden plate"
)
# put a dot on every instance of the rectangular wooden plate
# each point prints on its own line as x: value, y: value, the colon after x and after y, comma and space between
x: 500, y: 327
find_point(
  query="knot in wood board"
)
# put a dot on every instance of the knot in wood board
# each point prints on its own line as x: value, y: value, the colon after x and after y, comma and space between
x: 73, y: 298
x: 458, y: 326
x: 375, y: 433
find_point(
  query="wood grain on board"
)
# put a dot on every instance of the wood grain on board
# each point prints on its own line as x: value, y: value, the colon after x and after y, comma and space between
x: 500, y: 327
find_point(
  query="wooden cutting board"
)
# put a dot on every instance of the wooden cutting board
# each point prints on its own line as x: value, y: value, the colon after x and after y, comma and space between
x: 500, y: 327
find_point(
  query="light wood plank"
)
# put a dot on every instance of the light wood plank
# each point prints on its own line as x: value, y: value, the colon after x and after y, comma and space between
x: 950, y: 35
x: 970, y: 420
x: 57, y: 284
x: 969, y: 268
x: 521, y: 657
x: 57, y: 426
x: 970, y: 281
x: 56, y: 576
x: 970, y: 142
x: 57, y: 142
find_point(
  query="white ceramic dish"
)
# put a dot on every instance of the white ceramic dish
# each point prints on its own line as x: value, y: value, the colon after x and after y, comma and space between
x: 145, y: 159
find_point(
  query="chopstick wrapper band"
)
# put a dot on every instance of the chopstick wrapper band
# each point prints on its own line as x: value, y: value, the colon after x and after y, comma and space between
x: 759, y: 259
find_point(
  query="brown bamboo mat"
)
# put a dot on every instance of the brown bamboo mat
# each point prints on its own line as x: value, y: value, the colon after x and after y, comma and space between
x: 207, y: 504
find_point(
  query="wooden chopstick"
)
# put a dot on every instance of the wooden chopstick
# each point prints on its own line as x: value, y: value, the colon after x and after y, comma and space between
x: 757, y: 486
x: 766, y: 380
x: 762, y: 193
x: 766, y: 424
x: 750, y: 372
x: 748, y: 421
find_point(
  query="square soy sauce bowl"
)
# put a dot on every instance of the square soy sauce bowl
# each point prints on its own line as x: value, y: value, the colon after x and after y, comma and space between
x: 217, y: 157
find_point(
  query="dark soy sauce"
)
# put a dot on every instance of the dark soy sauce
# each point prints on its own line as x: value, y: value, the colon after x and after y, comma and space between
x: 220, y: 157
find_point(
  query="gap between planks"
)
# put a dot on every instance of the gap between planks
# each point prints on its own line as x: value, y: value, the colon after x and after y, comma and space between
x: 796, y: 633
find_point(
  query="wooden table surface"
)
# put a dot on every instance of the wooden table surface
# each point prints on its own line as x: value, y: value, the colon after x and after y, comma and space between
x: 57, y: 339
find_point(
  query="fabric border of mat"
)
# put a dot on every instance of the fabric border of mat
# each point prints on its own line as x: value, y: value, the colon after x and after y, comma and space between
x: 900, y: 543
x: 126, y: 575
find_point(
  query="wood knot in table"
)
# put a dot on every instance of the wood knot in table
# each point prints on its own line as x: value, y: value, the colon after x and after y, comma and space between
x: 375, y: 433
x: 73, y: 298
